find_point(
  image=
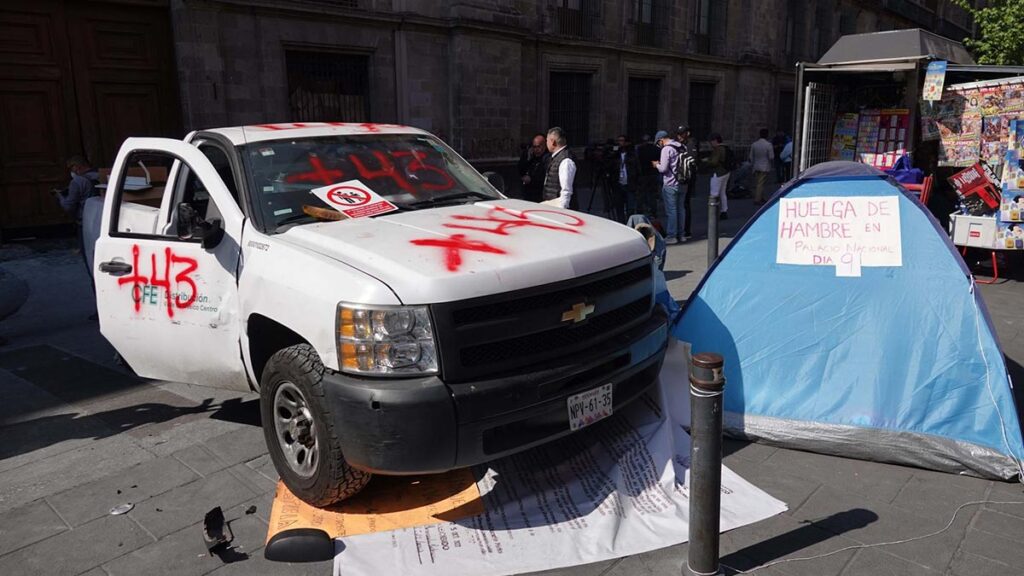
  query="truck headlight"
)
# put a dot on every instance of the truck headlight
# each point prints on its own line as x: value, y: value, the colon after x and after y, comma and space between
x: 386, y: 340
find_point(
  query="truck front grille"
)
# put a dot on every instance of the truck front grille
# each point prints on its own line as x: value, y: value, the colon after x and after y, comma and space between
x: 488, y: 336
x: 557, y: 338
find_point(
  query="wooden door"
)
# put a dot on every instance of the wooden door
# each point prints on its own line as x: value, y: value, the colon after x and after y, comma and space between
x: 38, y: 118
x: 76, y: 78
x: 125, y: 77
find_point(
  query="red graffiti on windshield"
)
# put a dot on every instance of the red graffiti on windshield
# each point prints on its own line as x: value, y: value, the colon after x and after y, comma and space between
x: 418, y: 165
x: 454, y: 245
x: 183, y: 276
x: 407, y: 173
x: 386, y: 169
x: 371, y: 127
x: 319, y: 174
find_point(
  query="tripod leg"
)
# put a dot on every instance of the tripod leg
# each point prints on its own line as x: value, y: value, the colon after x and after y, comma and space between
x: 593, y: 192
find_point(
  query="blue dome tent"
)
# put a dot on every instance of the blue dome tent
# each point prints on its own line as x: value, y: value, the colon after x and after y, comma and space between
x: 850, y: 326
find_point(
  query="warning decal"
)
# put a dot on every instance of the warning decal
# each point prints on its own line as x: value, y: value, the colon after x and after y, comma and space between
x: 354, y: 199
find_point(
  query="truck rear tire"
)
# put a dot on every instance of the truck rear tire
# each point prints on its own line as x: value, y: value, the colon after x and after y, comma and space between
x: 300, y: 432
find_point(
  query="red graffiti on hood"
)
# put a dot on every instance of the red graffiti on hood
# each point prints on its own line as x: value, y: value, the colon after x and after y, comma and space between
x: 515, y: 219
x: 499, y: 220
x: 454, y: 244
x: 137, y: 280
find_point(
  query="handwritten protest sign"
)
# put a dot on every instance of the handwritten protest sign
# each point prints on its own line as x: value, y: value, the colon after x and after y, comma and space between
x: 846, y: 232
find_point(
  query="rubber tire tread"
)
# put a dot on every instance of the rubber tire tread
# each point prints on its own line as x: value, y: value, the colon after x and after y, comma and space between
x: 335, y: 480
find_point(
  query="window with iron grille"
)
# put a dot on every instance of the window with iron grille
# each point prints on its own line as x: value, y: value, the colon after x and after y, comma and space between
x: 577, y: 18
x: 709, y: 25
x: 702, y: 98
x: 642, y: 108
x: 648, y: 14
x: 569, y: 105
x: 327, y: 86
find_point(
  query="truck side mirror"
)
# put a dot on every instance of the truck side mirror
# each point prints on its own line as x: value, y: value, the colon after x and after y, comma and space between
x: 495, y: 180
x: 191, y: 226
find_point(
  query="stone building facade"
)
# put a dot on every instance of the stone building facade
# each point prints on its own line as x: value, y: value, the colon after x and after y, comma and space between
x: 487, y: 74
x: 79, y: 76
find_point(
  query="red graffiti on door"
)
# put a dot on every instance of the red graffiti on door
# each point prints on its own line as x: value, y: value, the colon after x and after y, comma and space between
x: 185, y: 267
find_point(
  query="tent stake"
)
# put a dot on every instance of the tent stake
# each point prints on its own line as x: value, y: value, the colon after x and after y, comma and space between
x: 707, y: 383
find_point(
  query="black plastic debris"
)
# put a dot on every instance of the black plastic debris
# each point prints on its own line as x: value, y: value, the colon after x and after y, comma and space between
x: 251, y: 509
x: 217, y: 535
x: 216, y: 532
x: 300, y: 545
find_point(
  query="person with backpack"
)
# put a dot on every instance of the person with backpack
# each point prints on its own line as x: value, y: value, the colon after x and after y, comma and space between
x: 721, y: 162
x: 668, y: 166
x: 687, y: 175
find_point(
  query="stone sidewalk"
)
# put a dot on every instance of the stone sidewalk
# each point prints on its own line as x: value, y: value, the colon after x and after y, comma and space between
x: 81, y: 436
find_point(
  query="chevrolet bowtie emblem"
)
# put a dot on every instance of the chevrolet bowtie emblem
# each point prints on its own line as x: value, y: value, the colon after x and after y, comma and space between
x: 578, y: 313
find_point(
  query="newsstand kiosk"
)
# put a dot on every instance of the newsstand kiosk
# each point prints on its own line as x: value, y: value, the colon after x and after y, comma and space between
x: 953, y: 131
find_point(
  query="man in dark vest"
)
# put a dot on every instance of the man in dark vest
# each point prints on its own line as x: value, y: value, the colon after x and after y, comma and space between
x: 533, y: 166
x: 561, y: 171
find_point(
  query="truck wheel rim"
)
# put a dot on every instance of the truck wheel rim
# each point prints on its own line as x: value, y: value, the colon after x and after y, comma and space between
x: 296, y: 430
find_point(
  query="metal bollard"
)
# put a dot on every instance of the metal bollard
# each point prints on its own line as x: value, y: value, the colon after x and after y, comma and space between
x: 707, y: 383
x: 712, y: 229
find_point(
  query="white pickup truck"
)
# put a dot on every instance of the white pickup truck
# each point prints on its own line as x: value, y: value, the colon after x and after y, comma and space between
x: 438, y: 325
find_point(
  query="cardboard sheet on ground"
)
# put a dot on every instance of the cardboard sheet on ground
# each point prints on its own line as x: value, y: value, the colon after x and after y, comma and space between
x: 387, y: 503
x: 617, y: 488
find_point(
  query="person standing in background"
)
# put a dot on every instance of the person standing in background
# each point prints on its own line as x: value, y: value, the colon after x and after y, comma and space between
x: 761, y: 157
x: 720, y: 165
x: 778, y: 143
x: 786, y: 156
x: 532, y: 166
x: 623, y: 179
x: 669, y: 185
x: 558, y: 180
x: 84, y: 179
x: 649, y: 180
x: 689, y: 186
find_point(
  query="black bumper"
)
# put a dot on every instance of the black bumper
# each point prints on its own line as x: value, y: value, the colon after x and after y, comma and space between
x: 421, y: 425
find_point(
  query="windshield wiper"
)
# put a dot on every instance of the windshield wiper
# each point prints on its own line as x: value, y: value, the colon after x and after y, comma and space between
x: 449, y: 198
x: 292, y: 220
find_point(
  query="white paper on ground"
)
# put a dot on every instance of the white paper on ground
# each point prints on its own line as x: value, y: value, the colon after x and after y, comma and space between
x: 617, y: 488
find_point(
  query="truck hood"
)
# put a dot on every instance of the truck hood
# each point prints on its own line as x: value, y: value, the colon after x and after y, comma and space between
x: 458, y: 252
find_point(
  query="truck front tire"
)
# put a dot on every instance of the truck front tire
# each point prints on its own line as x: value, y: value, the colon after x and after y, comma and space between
x: 300, y: 431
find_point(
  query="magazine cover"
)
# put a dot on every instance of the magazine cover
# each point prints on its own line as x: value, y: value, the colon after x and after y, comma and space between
x: 844, y: 137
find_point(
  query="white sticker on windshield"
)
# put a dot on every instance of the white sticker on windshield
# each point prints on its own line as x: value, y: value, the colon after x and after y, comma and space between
x: 282, y: 211
x: 266, y: 151
x: 354, y: 199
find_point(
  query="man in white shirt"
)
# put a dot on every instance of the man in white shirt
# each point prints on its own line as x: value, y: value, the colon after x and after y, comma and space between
x: 561, y: 171
x: 761, y: 156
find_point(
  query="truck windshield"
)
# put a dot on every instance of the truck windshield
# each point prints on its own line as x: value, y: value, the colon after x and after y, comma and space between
x: 411, y: 170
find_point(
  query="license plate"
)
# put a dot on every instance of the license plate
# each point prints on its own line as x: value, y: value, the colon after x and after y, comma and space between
x: 588, y: 407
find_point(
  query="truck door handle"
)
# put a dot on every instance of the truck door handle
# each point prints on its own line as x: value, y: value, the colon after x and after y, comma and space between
x: 115, y: 267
